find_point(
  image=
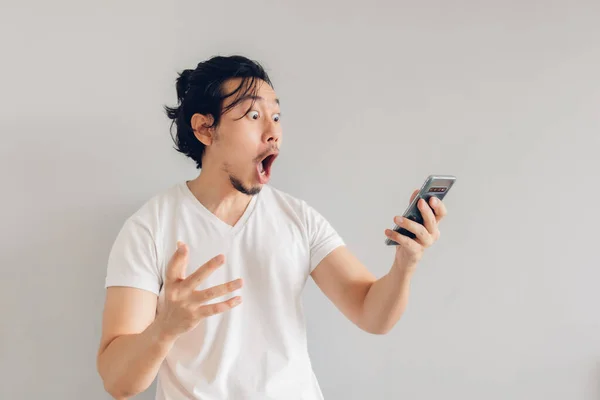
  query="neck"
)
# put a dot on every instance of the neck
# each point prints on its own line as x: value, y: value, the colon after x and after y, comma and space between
x: 216, y: 193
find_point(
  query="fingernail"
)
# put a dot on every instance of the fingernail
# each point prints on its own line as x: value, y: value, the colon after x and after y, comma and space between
x: 434, y: 201
x: 399, y: 220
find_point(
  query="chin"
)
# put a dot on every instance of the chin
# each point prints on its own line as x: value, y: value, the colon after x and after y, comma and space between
x: 249, y: 190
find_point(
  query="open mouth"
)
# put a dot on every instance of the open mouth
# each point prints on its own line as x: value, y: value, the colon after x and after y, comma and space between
x: 264, y: 167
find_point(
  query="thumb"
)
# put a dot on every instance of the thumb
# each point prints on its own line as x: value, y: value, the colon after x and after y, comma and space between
x: 177, y: 263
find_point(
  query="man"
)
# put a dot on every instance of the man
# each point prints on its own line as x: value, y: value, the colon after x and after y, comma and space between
x: 204, y: 281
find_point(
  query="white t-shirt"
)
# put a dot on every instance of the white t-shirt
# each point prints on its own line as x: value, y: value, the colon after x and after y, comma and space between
x: 257, y: 350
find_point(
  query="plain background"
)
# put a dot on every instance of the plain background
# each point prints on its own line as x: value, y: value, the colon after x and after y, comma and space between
x: 375, y: 96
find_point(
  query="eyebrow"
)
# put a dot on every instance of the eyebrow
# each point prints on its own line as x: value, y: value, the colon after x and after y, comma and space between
x: 255, y: 98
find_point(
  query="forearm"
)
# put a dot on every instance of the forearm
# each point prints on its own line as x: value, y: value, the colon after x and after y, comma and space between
x: 130, y: 363
x: 386, y: 300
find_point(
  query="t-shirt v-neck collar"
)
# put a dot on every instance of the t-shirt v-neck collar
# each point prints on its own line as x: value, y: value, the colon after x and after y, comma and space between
x: 221, y: 225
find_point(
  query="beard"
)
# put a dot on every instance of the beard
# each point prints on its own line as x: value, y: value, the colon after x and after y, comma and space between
x: 238, y: 184
x: 240, y: 187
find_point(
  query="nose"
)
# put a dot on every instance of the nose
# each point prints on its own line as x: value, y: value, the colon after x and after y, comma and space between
x: 272, y: 133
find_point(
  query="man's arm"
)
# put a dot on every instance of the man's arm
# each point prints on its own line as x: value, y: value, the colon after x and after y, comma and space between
x: 132, y: 346
x: 376, y: 305
x: 136, y: 339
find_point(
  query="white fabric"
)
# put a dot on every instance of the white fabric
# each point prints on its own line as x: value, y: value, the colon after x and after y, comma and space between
x: 257, y: 350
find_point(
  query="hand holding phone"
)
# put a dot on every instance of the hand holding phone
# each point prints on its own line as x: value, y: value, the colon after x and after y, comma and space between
x: 434, y: 186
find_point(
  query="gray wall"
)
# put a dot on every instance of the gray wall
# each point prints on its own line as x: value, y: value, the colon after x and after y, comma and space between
x: 376, y: 95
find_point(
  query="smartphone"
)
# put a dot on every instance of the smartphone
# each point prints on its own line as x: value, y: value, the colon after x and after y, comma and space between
x: 434, y: 186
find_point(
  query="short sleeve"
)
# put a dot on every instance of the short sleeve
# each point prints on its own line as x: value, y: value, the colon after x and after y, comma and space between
x: 323, y: 238
x: 133, y: 260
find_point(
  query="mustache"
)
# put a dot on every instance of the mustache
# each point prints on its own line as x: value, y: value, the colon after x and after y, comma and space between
x: 271, y: 150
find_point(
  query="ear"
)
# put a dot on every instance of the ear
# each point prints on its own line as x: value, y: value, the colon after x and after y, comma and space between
x: 201, y: 127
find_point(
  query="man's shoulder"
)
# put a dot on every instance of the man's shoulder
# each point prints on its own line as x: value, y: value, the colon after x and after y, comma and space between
x: 321, y: 236
x: 281, y: 194
x: 284, y: 199
x: 290, y: 205
x: 156, y: 207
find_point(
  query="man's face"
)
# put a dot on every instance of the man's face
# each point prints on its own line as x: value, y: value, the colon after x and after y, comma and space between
x: 248, y: 138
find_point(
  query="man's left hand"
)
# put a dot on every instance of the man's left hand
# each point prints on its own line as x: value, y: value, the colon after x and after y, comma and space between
x: 410, y: 251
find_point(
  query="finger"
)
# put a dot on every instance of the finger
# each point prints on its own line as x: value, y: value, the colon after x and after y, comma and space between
x: 429, y: 220
x: 412, y: 197
x: 421, y: 233
x: 204, y: 272
x: 202, y: 296
x: 439, y: 207
x: 402, y: 240
x: 217, y: 308
x: 176, y: 266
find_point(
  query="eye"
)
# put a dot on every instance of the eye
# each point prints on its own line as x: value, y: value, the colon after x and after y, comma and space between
x: 253, y: 114
x: 276, y: 117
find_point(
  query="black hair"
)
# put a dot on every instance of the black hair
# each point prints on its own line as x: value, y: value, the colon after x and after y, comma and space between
x: 200, y: 91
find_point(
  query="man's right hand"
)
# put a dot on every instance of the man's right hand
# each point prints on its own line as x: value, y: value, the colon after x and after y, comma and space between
x: 184, y: 306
